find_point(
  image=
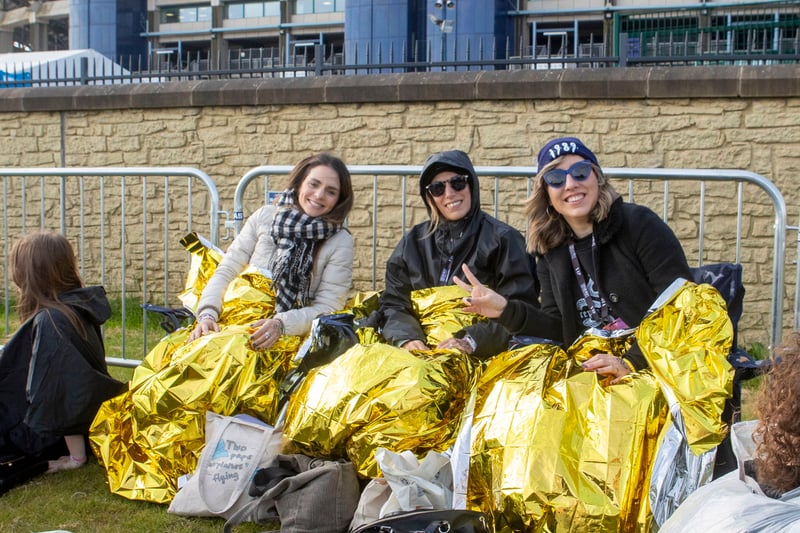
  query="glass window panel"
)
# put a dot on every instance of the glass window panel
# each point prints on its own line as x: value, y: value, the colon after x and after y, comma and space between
x: 254, y: 9
x: 324, y: 6
x: 204, y: 14
x: 272, y: 9
x: 235, y: 11
x: 303, y: 7
x: 188, y: 14
x: 169, y: 15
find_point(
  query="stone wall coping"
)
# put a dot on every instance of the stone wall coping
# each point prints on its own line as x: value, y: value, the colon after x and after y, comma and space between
x: 575, y: 83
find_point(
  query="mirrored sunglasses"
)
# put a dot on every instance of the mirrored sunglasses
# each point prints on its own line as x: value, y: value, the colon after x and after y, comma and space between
x: 557, y: 177
x: 457, y: 183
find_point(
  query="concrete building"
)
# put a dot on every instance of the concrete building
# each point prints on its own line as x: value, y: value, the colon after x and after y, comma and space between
x: 113, y: 28
x: 248, y: 33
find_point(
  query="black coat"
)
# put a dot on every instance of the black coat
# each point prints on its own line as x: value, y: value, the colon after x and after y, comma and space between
x: 637, y: 257
x: 494, y: 251
x: 52, y: 380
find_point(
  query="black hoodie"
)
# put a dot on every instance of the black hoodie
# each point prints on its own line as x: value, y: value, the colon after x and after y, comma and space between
x: 53, y: 379
x: 494, y: 251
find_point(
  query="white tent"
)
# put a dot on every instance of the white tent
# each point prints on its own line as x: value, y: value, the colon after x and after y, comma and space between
x: 62, y: 67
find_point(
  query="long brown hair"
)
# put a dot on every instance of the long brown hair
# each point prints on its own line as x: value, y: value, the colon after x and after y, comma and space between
x: 43, y: 266
x: 344, y: 203
x: 777, y: 461
x: 547, y: 229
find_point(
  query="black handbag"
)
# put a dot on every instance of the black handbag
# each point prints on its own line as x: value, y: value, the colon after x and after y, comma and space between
x: 437, y: 521
x: 17, y: 469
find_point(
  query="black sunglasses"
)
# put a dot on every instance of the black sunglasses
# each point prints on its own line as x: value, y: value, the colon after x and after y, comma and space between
x: 557, y: 177
x: 456, y: 182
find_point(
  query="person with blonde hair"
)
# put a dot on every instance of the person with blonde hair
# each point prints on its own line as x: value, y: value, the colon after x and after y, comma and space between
x: 53, y: 372
x: 601, y: 261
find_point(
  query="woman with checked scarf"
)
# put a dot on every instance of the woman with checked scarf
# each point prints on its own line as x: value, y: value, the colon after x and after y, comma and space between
x: 301, y: 244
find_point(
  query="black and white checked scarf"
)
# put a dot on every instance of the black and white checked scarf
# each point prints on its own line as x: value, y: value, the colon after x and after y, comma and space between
x: 296, y: 235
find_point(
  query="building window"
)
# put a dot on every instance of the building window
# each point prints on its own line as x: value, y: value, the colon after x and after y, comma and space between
x: 198, y: 13
x: 235, y: 11
x: 253, y: 10
x: 304, y: 7
x: 249, y: 10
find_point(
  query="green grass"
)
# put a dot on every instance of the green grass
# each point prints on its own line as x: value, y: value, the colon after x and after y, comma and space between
x: 80, y: 500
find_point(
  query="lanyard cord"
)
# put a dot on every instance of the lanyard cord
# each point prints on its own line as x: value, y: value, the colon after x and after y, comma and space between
x: 444, y: 277
x: 602, y: 318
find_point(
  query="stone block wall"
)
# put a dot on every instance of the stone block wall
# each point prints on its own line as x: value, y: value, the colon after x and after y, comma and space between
x: 745, y: 118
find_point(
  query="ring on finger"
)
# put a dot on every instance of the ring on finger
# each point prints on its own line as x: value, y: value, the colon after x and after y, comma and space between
x: 267, y: 336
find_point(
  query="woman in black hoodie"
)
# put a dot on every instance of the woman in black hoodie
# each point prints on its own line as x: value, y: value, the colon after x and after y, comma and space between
x: 458, y: 233
x: 53, y: 374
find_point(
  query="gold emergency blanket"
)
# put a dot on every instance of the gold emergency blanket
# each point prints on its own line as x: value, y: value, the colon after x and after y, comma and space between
x: 686, y: 343
x: 555, y: 449
x: 377, y: 395
x: 153, y: 434
x: 438, y: 310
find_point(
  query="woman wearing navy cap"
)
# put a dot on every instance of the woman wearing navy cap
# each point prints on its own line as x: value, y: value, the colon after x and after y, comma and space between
x: 601, y: 261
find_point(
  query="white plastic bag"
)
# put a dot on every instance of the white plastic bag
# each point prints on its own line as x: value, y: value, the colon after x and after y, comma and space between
x: 372, y: 500
x: 426, y: 484
x: 735, y: 502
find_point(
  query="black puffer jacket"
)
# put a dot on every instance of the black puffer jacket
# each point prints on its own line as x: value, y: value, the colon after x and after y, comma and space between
x: 637, y: 258
x: 52, y: 380
x: 494, y: 251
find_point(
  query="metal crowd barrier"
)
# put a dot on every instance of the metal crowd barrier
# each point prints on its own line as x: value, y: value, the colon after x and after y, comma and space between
x: 125, y: 224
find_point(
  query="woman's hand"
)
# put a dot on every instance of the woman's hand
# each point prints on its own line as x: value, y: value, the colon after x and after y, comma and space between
x: 482, y: 300
x: 609, y: 365
x: 415, y: 345
x: 265, y: 333
x: 205, y: 324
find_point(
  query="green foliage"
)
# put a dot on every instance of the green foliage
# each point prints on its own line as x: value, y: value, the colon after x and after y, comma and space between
x: 758, y: 350
x: 128, y: 338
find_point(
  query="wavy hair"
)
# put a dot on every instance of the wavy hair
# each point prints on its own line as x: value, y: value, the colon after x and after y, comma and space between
x: 777, y: 461
x: 344, y: 203
x: 547, y: 229
x: 42, y: 266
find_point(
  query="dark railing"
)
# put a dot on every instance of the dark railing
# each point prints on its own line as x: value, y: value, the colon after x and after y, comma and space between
x: 635, y: 50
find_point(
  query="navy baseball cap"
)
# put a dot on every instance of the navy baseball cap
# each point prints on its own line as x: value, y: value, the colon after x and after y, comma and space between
x: 563, y: 146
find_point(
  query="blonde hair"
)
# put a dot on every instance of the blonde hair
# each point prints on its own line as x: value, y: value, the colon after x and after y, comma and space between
x: 547, y: 229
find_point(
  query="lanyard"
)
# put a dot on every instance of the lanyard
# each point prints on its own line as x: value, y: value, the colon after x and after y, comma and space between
x: 444, y: 277
x: 576, y: 266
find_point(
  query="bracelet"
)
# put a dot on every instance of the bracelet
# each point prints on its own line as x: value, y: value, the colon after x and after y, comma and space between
x: 472, y: 343
x: 203, y: 316
x: 283, y: 328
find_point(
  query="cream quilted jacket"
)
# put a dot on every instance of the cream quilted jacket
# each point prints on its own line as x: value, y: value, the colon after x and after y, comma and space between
x: 331, y: 276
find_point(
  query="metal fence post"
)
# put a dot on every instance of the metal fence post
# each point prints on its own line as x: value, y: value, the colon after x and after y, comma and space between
x: 623, y: 50
x: 84, y: 74
x: 319, y: 59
